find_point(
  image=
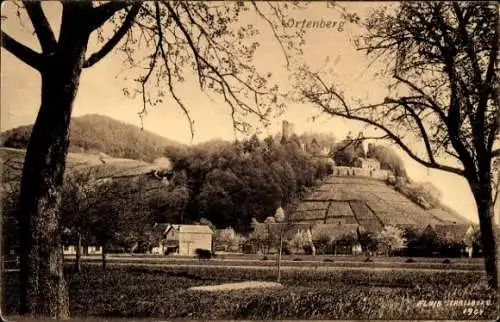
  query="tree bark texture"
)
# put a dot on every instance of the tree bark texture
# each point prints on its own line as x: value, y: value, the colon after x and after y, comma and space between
x: 485, y: 208
x: 43, y: 290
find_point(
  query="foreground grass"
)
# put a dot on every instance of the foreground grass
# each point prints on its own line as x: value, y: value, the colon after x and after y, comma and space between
x: 162, y: 292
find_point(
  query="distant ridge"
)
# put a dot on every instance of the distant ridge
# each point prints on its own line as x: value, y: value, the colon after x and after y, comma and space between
x: 96, y: 133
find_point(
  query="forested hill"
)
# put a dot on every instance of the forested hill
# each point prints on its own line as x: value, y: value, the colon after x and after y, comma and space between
x: 98, y: 133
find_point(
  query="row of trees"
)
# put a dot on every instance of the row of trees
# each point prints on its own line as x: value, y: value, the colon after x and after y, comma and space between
x: 389, y: 241
x: 106, y: 212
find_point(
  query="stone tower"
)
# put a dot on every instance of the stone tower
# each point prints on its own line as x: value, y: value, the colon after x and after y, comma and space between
x: 287, y: 130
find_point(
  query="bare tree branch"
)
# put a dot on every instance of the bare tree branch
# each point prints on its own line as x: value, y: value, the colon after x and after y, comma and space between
x: 433, y: 104
x: 105, y: 11
x: 25, y: 54
x: 423, y: 132
x: 42, y: 27
x: 229, y: 94
x: 471, y: 54
x: 273, y: 29
x: 169, y: 74
x: 453, y: 119
x: 398, y: 141
x: 115, y: 39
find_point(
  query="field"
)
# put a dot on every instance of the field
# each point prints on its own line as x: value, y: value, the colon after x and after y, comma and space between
x: 296, y: 261
x: 141, y: 291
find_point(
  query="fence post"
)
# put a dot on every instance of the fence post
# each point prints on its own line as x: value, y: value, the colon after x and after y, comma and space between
x: 279, y: 254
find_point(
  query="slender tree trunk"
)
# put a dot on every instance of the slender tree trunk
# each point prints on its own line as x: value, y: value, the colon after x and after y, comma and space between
x: 103, y: 256
x: 279, y: 255
x: 43, y: 290
x: 78, y: 260
x: 482, y: 195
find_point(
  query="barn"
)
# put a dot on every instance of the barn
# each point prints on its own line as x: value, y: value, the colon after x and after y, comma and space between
x: 184, y: 239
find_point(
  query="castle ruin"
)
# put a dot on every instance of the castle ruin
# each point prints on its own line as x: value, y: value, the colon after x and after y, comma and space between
x: 287, y: 130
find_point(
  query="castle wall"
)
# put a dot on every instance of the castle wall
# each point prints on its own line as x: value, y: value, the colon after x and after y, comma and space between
x: 340, y: 171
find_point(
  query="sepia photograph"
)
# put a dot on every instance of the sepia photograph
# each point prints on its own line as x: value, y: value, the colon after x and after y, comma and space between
x: 249, y: 160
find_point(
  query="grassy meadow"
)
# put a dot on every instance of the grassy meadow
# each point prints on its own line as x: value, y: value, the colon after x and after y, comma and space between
x: 162, y: 292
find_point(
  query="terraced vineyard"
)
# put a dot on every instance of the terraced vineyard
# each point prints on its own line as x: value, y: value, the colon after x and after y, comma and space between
x: 369, y: 203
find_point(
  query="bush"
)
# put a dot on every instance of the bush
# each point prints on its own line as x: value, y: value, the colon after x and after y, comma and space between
x: 410, y: 260
x: 424, y: 194
x: 388, y: 159
x: 286, y: 251
x: 250, y: 246
x: 204, y: 253
x: 446, y: 261
x: 308, y: 250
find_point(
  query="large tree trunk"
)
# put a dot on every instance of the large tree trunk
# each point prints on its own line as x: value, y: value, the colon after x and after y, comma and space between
x: 482, y: 195
x: 43, y: 290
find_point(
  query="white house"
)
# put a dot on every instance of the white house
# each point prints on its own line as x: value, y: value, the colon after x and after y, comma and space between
x: 88, y: 250
x: 183, y: 239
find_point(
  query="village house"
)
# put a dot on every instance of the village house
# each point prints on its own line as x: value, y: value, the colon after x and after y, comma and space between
x: 461, y: 235
x: 181, y: 239
x: 69, y: 245
x: 84, y: 250
x: 343, y: 238
x: 458, y: 237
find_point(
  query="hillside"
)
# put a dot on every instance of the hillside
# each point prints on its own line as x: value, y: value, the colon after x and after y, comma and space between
x: 100, y: 166
x: 98, y: 133
x: 369, y: 203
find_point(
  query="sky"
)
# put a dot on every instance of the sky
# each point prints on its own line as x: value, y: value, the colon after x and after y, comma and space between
x: 101, y: 91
